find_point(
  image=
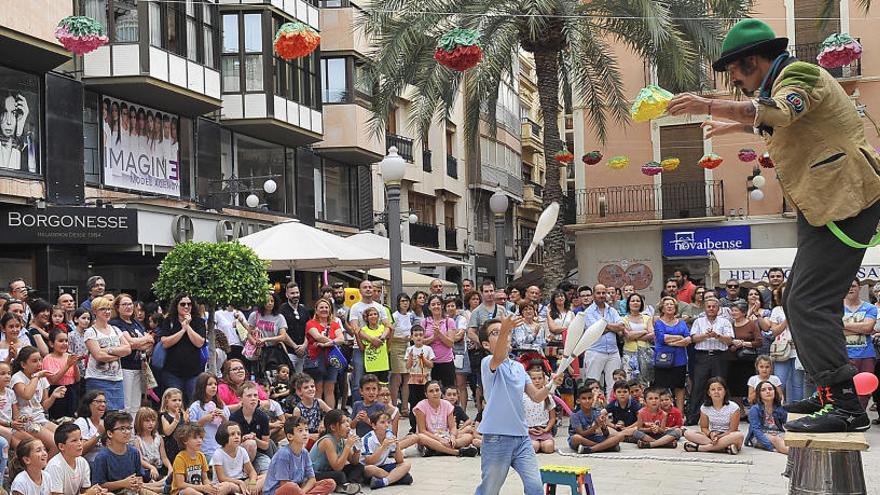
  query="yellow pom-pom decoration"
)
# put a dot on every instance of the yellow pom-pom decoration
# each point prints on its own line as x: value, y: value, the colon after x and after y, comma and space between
x: 618, y: 162
x: 670, y: 164
x: 650, y: 103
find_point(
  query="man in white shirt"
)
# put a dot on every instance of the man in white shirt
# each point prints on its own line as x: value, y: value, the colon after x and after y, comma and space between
x: 712, y: 335
x: 603, y: 356
x: 356, y: 321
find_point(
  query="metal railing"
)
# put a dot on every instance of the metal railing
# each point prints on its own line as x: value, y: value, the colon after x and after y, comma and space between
x: 452, y: 166
x: 533, y: 126
x: 404, y: 145
x: 426, y: 160
x: 424, y: 234
x: 807, y: 52
x: 451, y: 239
x: 522, y: 245
x: 537, y: 189
x: 649, y: 202
x: 498, y: 177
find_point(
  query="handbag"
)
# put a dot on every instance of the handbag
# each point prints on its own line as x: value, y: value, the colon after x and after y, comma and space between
x: 664, y: 359
x: 149, y: 379
x: 241, y: 331
x: 159, y: 353
x: 780, y: 350
x: 252, y: 351
x: 336, y: 359
x: 746, y: 353
x: 204, y: 353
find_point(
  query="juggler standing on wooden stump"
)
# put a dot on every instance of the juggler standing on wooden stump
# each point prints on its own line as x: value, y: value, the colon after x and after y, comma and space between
x: 831, y: 174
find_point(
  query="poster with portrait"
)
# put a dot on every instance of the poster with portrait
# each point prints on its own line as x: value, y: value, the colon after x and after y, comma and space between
x: 19, y: 121
x: 141, y: 148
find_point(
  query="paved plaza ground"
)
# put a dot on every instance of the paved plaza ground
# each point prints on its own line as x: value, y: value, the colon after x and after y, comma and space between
x: 637, y: 472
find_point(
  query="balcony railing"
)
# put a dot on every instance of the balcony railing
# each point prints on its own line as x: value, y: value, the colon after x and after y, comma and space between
x: 452, y: 166
x: 807, y: 52
x: 649, y: 202
x: 522, y: 245
x: 426, y: 160
x: 404, y: 145
x: 537, y: 189
x: 424, y: 234
x: 451, y: 239
x: 533, y: 126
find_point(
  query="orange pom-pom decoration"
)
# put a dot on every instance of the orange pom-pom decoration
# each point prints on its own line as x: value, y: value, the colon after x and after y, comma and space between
x: 710, y: 161
x: 295, y: 40
x: 564, y: 156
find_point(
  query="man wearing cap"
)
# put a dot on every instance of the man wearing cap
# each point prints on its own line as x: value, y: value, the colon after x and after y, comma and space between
x: 829, y: 172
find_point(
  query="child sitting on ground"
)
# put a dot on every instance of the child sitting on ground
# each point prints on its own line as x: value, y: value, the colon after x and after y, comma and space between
x: 674, y: 416
x: 767, y: 420
x: 382, y: 456
x: 190, y: 467
x: 595, y: 388
x: 651, y: 428
x: 336, y: 455
x: 436, y: 426
x: 362, y: 409
x: 149, y: 443
x: 291, y: 471
x: 310, y: 408
x: 231, y: 462
x: 117, y: 468
x: 69, y: 471
x: 540, y: 416
x: 619, y: 375
x: 636, y: 391
x: 33, y: 478
x: 764, y: 370
x: 623, y: 410
x: 393, y: 411
x: 588, y: 430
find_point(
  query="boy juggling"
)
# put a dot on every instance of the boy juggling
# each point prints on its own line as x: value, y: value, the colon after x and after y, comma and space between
x: 506, y: 441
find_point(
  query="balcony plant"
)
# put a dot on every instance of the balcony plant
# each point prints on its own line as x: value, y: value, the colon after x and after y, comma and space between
x: 574, y: 44
x: 216, y: 275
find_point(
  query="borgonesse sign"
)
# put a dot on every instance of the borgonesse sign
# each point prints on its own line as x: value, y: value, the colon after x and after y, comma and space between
x: 68, y: 225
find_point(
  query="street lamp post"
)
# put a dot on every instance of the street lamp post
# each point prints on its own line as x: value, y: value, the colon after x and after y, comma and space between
x: 498, y: 205
x: 393, y: 168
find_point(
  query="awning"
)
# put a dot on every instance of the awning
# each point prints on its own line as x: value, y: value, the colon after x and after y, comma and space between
x: 751, y: 265
x: 412, y: 281
x: 409, y: 255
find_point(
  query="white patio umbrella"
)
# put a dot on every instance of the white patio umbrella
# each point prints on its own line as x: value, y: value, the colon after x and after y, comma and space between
x: 293, y: 245
x: 409, y: 255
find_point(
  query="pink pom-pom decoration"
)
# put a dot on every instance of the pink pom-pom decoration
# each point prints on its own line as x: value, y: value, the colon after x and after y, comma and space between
x: 838, y: 50
x: 747, y: 155
x: 765, y: 161
x: 710, y: 161
x: 651, y: 169
x: 80, y: 34
x: 592, y: 157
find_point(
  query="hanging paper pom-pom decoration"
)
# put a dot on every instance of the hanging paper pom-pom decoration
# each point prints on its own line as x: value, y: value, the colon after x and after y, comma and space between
x: 564, y: 156
x: 650, y: 103
x: 765, y: 161
x: 710, y: 161
x: 459, y: 49
x: 80, y: 34
x: 592, y: 157
x: 838, y: 50
x: 747, y: 155
x: 670, y: 164
x: 295, y: 40
x: 651, y: 169
x: 618, y: 162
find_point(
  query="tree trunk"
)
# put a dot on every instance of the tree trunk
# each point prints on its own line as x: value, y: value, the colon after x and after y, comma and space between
x: 547, y: 69
x: 212, y: 342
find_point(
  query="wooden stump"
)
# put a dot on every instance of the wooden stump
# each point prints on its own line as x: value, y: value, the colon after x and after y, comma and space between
x: 825, y: 463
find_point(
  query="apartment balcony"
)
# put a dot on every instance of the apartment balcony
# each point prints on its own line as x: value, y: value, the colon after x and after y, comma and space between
x: 490, y: 178
x: 647, y: 202
x: 522, y: 245
x: 426, y: 161
x: 451, y: 239
x: 348, y: 137
x: 303, y: 11
x: 424, y: 235
x: 404, y: 146
x: 533, y: 196
x: 338, y: 32
x: 807, y: 52
x: 452, y: 166
x: 531, y: 137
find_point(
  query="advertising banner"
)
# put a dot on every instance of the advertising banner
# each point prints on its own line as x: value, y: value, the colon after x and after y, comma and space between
x: 141, y: 148
x: 699, y: 241
x: 68, y: 225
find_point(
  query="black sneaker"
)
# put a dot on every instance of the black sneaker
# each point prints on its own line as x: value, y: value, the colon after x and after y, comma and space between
x: 830, y: 419
x: 468, y: 451
x: 809, y: 405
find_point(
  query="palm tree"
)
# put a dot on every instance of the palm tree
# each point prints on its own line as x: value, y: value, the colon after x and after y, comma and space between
x: 571, y: 42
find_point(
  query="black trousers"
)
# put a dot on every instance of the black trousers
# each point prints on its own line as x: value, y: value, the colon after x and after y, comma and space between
x: 706, y: 365
x: 822, y: 272
x: 351, y: 473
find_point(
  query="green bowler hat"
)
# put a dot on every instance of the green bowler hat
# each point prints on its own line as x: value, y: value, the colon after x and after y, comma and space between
x: 748, y: 37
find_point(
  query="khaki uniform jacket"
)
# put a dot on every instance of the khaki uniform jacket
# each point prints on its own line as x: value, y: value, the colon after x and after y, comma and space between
x: 825, y: 165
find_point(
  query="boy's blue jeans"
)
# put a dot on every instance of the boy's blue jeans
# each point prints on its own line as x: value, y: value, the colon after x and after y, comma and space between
x: 499, y: 453
x: 4, y: 457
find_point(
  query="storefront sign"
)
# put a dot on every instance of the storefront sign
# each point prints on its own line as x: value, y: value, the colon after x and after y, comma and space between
x: 699, y: 241
x: 68, y: 225
x: 141, y: 149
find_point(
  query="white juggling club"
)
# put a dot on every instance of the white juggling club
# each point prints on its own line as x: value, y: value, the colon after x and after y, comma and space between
x: 588, y: 338
x: 545, y: 224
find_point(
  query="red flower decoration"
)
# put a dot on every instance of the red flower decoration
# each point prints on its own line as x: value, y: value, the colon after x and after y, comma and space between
x: 710, y: 161
x: 295, y: 40
x: 765, y: 161
x: 564, y: 156
x: 592, y: 158
x: 459, y: 49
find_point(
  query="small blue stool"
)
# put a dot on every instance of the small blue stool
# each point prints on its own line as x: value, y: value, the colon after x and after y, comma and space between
x: 577, y: 478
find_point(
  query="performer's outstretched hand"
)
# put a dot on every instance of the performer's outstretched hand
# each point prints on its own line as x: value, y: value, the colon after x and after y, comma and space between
x: 687, y: 103
x: 717, y: 128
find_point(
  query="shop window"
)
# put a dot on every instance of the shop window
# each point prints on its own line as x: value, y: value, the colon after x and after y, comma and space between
x: 335, y: 192
x: 20, y: 111
x: 261, y: 159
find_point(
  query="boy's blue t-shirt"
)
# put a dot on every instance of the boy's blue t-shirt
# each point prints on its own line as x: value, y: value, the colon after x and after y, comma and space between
x: 503, y: 388
x: 860, y: 346
x: 287, y: 465
x: 109, y: 466
x: 582, y: 420
x: 363, y: 427
x: 627, y: 413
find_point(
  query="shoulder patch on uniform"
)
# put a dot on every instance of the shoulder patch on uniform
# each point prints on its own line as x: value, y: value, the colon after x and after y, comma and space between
x: 800, y: 74
x: 795, y: 101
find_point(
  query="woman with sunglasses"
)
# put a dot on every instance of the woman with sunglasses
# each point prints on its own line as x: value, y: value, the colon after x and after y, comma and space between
x: 182, y: 335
